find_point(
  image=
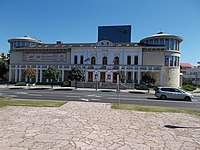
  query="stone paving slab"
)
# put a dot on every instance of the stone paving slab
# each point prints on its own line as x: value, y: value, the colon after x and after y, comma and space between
x: 94, y: 126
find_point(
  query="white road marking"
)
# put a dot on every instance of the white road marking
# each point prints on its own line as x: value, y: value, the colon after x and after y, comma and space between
x: 21, y: 93
x: 73, y: 96
x: 93, y: 99
x: 34, y: 94
x: 84, y: 99
x: 94, y: 96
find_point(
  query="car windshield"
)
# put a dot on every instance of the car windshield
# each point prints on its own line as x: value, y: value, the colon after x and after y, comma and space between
x: 182, y: 90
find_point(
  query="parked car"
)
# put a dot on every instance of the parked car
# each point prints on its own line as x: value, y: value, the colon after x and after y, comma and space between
x: 172, y: 93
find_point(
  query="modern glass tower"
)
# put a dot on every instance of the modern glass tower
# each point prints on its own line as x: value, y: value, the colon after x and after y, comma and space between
x: 115, y: 34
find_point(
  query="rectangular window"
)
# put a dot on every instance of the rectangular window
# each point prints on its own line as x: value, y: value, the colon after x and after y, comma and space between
x: 178, y: 45
x: 171, y: 60
x: 161, y: 41
x: 27, y: 43
x: 175, y: 61
x: 171, y: 44
x: 128, y: 60
x: 136, y: 60
x: 167, y: 44
x: 166, y: 60
x: 156, y: 41
x: 175, y: 44
x: 23, y: 44
x: 81, y: 59
x: 178, y: 61
x: 18, y: 44
x: 75, y: 59
x: 15, y: 44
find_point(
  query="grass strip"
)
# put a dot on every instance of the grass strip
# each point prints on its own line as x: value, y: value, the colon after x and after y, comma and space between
x: 32, y: 103
x: 154, y: 109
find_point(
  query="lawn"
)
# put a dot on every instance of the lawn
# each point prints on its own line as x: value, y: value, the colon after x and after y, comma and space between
x: 32, y: 103
x: 155, y: 109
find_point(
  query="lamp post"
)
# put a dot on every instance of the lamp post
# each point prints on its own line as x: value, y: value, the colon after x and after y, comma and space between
x: 96, y: 72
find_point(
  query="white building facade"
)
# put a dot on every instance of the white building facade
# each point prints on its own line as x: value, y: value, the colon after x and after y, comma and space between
x: 193, y: 74
x: 100, y: 61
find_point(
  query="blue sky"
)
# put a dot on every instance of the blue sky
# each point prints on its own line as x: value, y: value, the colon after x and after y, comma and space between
x: 77, y: 20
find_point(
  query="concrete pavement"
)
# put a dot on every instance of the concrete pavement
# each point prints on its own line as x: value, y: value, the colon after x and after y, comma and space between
x: 94, y: 126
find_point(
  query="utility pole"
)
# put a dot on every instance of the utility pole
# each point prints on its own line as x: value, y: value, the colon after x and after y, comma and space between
x: 118, y: 91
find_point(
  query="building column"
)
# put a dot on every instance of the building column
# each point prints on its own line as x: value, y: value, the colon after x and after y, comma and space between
x: 86, y: 76
x: 161, y: 79
x: 16, y: 73
x: 40, y: 73
x: 139, y: 75
x: 58, y: 70
x: 26, y: 79
x: 63, y: 73
x: 10, y: 73
x: 36, y: 80
x: 133, y: 76
x: 20, y: 73
x: 125, y: 73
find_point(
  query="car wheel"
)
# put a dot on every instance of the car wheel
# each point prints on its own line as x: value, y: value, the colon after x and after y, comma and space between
x: 163, y: 97
x: 187, y: 98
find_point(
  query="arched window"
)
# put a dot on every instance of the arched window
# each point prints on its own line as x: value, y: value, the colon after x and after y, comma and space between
x: 93, y: 61
x: 104, y: 61
x: 116, y: 60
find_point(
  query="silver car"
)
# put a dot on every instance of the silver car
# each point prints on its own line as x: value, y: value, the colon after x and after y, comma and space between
x: 172, y: 93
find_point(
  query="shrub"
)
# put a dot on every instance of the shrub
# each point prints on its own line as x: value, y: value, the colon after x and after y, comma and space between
x: 141, y: 87
x: 20, y: 84
x: 49, y: 83
x: 66, y: 84
x: 189, y: 87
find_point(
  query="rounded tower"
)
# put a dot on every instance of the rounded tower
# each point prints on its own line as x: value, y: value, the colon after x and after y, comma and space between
x: 23, y: 42
x: 170, y: 74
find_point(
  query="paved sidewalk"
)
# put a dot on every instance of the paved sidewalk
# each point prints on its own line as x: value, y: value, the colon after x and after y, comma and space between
x: 94, y: 126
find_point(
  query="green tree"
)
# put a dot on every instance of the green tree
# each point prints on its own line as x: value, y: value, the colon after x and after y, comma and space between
x: 52, y: 74
x: 148, y: 79
x: 187, y: 81
x: 30, y: 73
x: 121, y: 75
x: 3, y: 70
x: 76, y: 74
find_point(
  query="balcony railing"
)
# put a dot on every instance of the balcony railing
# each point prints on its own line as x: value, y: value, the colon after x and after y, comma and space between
x: 145, y: 68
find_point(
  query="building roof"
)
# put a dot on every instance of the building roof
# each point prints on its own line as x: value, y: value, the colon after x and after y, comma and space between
x: 186, y: 65
x: 25, y: 38
x: 71, y: 45
x: 164, y: 35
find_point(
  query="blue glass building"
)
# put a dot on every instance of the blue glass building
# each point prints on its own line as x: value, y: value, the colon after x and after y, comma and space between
x: 115, y: 34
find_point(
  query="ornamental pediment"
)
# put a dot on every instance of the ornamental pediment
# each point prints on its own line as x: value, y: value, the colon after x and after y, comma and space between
x: 105, y: 43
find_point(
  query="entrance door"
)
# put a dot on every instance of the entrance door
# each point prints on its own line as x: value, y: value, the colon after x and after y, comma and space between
x: 114, y: 77
x: 102, y: 76
x: 90, y: 76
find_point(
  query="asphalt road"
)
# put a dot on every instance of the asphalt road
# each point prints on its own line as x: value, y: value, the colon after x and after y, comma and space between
x: 100, y: 96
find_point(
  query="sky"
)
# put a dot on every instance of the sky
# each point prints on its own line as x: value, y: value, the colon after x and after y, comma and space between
x: 77, y: 21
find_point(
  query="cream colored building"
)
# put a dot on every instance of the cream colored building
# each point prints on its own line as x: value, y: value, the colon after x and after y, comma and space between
x: 100, y: 61
x: 170, y: 74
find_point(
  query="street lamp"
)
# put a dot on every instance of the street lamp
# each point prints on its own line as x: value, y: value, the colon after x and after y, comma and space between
x: 96, y: 72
